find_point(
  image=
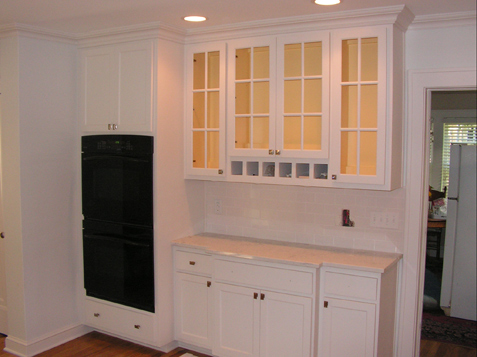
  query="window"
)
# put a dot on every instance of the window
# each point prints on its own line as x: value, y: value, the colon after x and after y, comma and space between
x: 465, y: 133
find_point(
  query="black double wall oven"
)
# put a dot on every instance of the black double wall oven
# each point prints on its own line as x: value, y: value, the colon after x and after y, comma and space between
x: 117, y: 194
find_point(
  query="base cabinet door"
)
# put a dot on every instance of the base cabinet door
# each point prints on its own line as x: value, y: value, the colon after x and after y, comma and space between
x: 348, y: 328
x: 236, y: 316
x: 193, y: 311
x: 285, y: 325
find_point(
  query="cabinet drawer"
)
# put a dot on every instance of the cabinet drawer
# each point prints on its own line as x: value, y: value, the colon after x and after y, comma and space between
x: 193, y: 262
x: 265, y: 277
x: 120, y: 321
x: 353, y: 286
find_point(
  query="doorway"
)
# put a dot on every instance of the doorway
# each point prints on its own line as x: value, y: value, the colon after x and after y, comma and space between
x: 420, y: 85
x: 452, y: 120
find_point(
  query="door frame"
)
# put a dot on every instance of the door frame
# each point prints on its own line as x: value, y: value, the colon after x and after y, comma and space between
x: 420, y: 83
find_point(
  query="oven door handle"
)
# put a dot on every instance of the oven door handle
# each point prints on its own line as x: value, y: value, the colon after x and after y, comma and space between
x: 119, y: 240
x: 108, y: 157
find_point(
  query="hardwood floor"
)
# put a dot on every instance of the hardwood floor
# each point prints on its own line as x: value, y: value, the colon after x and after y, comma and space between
x: 98, y: 344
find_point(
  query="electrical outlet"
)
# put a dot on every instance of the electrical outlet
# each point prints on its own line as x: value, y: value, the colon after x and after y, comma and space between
x: 218, y: 206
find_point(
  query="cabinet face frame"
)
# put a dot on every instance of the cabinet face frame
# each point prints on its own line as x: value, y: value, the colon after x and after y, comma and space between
x: 303, y: 38
x: 384, y: 63
x: 190, y: 171
x: 233, y: 83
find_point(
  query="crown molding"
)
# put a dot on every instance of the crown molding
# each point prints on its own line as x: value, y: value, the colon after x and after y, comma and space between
x: 18, y: 29
x: 398, y: 15
x: 153, y: 30
x: 453, y: 19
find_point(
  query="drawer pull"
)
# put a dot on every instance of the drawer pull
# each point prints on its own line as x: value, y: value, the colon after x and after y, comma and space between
x: 255, y: 296
x: 96, y: 314
x: 209, y: 284
x: 191, y: 262
x: 137, y: 327
x: 262, y: 296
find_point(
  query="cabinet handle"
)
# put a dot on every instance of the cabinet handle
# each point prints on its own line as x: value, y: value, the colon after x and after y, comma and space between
x: 326, y: 304
x: 277, y: 152
x: 96, y: 314
x: 209, y: 284
x: 137, y: 327
x: 191, y: 262
x: 255, y: 296
x: 262, y: 296
x: 270, y: 152
x: 334, y: 177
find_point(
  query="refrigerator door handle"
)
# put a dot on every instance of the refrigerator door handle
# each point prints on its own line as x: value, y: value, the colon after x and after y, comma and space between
x: 453, y: 198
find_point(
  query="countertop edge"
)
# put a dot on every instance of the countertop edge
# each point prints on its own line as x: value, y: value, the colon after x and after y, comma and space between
x: 393, y: 258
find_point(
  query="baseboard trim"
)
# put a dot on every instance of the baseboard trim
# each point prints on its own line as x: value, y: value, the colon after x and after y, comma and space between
x: 3, y: 320
x: 23, y: 348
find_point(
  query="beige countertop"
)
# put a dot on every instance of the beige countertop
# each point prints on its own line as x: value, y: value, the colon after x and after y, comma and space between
x: 291, y: 253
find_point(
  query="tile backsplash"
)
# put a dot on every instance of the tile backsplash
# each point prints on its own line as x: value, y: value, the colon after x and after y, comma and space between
x: 305, y: 214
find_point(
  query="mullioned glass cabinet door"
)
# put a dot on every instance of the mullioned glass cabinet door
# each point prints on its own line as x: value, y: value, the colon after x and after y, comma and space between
x: 359, y: 91
x: 303, y: 95
x: 205, y: 111
x: 251, y: 104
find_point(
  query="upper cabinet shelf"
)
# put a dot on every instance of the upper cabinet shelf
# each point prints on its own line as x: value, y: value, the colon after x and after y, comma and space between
x: 313, y: 108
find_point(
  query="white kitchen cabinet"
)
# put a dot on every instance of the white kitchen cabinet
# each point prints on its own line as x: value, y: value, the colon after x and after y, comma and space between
x: 348, y: 328
x: 250, y: 319
x: 117, y: 319
x: 193, y: 298
x: 366, y: 107
x: 357, y: 312
x: 278, y: 108
x: 116, y: 90
x: 205, y: 111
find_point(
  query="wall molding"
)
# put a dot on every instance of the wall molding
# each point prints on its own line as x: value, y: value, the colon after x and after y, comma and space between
x: 398, y: 15
x: 454, y: 19
x: 24, y: 348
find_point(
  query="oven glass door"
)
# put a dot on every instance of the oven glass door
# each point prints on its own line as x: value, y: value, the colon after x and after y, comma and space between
x: 117, y: 189
x: 119, y: 269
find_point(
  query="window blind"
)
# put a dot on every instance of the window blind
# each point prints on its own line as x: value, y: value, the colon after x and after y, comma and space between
x: 464, y: 133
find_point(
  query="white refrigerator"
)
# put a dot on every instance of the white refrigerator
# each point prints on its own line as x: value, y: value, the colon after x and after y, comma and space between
x: 458, y: 290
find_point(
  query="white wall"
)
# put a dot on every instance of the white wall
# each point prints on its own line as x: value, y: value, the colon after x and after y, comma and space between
x: 38, y: 131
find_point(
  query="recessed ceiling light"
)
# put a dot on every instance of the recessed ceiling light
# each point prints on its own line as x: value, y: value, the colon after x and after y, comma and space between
x: 195, y: 18
x: 327, y: 2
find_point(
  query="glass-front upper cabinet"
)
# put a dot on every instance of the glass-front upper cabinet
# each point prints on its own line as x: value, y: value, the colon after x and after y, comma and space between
x: 359, y: 94
x: 303, y: 95
x: 205, y: 110
x: 251, y: 104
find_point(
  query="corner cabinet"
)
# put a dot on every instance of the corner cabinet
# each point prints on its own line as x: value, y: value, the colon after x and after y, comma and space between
x: 205, y: 111
x: 116, y: 87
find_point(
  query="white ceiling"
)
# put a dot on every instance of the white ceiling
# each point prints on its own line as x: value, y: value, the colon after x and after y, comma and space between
x: 82, y: 16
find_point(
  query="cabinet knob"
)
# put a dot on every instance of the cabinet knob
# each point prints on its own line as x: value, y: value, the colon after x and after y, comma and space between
x: 277, y: 152
x: 209, y: 284
x: 255, y: 296
x: 334, y: 177
x: 2, y: 235
x: 262, y: 296
x: 221, y: 172
x: 96, y: 314
x: 325, y: 304
x: 109, y: 126
x: 191, y: 262
x: 137, y: 327
x: 270, y: 152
